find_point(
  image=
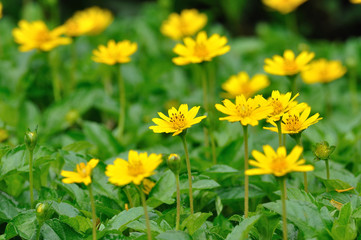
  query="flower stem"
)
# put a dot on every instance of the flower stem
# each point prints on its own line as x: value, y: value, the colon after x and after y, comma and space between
x: 31, y: 179
x: 178, y: 203
x: 147, y: 221
x: 130, y: 200
x: 246, y: 184
x: 279, y: 122
x: 293, y: 80
x: 284, y: 213
x: 121, y: 103
x: 298, y: 141
x: 327, y: 169
x: 54, y: 76
x: 94, y: 217
x: 189, y: 172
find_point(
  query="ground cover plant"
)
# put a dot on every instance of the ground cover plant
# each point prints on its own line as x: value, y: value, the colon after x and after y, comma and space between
x: 159, y: 120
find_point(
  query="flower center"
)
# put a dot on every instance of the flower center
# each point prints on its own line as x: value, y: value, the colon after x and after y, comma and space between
x: 81, y: 169
x: 244, y: 110
x: 42, y: 36
x: 200, y: 50
x: 279, y: 164
x: 178, y: 120
x: 293, y: 123
x: 290, y: 66
x: 135, y: 168
x: 277, y: 106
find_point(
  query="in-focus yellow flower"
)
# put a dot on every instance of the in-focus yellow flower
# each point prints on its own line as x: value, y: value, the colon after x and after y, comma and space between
x: 148, y: 185
x: 241, y: 84
x: 178, y: 120
x: 323, y: 71
x: 82, y: 174
x: 281, y: 103
x: 138, y: 167
x: 294, y: 121
x: 185, y: 24
x: 90, y: 21
x: 283, y: 6
x: 277, y: 163
x: 245, y: 111
x: 201, y: 49
x: 355, y: 1
x: 114, y: 52
x: 36, y: 35
x: 288, y: 64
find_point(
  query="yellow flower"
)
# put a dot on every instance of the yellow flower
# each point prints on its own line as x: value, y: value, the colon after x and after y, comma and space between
x: 277, y: 163
x: 148, y: 186
x: 201, y: 49
x: 1, y: 10
x: 115, y: 52
x: 355, y: 1
x: 36, y: 35
x: 90, y: 21
x: 323, y: 71
x: 188, y: 23
x: 4, y: 135
x: 82, y: 174
x: 138, y: 167
x: 178, y: 120
x: 294, y: 121
x: 242, y: 84
x: 245, y: 111
x: 281, y: 103
x: 283, y: 6
x: 288, y: 64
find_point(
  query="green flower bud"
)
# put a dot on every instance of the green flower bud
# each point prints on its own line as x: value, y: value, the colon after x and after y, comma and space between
x: 72, y: 117
x: 31, y: 139
x: 323, y: 151
x: 174, y: 163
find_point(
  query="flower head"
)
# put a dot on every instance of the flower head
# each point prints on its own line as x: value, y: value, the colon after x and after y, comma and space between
x: 245, y: 111
x: 355, y: 1
x: 281, y: 103
x: 185, y: 24
x: 90, y: 21
x: 277, y: 163
x: 242, y: 84
x: 288, y: 64
x: 283, y: 6
x: 114, y: 52
x: 323, y: 71
x: 138, y: 167
x: 323, y: 150
x: 36, y: 35
x: 294, y: 121
x: 201, y: 49
x: 82, y: 173
x: 178, y: 120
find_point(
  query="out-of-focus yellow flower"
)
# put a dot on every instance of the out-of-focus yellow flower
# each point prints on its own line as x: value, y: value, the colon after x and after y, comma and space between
x: 82, y: 174
x: 148, y: 185
x: 138, y: 167
x: 178, y: 120
x: 277, y: 163
x: 36, y: 35
x: 288, y: 64
x: 1, y: 10
x: 245, y: 111
x: 185, y: 24
x: 242, y: 84
x: 113, y: 53
x: 201, y: 49
x: 355, y: 1
x: 90, y: 21
x: 283, y: 6
x: 281, y: 103
x: 323, y: 71
x: 4, y: 135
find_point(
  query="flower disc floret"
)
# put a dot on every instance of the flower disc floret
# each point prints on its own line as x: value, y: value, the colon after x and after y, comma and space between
x: 113, y: 53
x: 82, y: 173
x: 281, y: 103
x: 323, y: 71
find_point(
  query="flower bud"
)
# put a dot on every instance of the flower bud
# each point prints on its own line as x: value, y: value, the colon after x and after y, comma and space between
x: 323, y: 151
x: 31, y: 139
x: 72, y: 117
x: 174, y: 163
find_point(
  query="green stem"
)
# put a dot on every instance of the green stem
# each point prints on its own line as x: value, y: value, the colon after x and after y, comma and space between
x: 121, y: 103
x: 130, y: 200
x: 327, y: 169
x: 284, y: 213
x: 94, y: 217
x: 205, y: 88
x: 299, y: 142
x: 293, y: 80
x: 246, y: 184
x: 178, y: 203
x: 31, y: 179
x: 147, y: 221
x: 55, y: 76
x: 291, y: 22
x: 279, y: 127
x: 189, y: 172
x: 211, y: 115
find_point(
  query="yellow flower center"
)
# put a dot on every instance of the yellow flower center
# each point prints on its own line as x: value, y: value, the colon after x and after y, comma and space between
x: 200, y: 50
x: 244, y: 110
x: 178, y: 120
x: 293, y: 123
x: 277, y: 106
x: 81, y: 169
x: 135, y: 168
x: 42, y: 36
x: 290, y: 66
x: 279, y: 164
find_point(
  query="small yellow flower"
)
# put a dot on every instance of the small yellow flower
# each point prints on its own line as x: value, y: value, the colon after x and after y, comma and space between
x: 148, y: 185
x: 283, y: 6
x: 185, y: 24
x: 288, y: 64
x: 82, y: 174
x: 114, y: 52
x: 355, y: 1
x: 281, y: 103
x: 245, y: 111
x: 201, y: 49
x: 138, y: 167
x: 90, y: 21
x: 323, y: 71
x: 36, y: 35
x: 294, y: 121
x: 277, y: 163
x: 241, y: 84
x: 178, y: 120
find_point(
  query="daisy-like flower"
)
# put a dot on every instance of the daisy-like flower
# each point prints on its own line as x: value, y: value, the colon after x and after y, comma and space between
x: 178, y: 120
x: 294, y: 121
x: 288, y: 65
x: 138, y: 167
x: 323, y: 71
x: 201, y: 49
x: 36, y: 35
x: 283, y: 6
x: 281, y: 103
x: 185, y: 24
x: 246, y: 111
x: 114, y: 52
x: 355, y: 1
x: 277, y: 163
x: 82, y: 173
x: 90, y: 21
x: 242, y: 84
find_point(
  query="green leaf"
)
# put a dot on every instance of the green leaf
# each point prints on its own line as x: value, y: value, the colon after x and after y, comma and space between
x: 55, y: 230
x: 119, y: 221
x: 64, y: 209
x: 140, y: 226
x: 163, y: 190
x: 174, y: 235
x: 23, y: 225
x: 8, y: 209
x: 79, y: 223
x: 241, y: 231
x: 267, y: 224
x: 195, y: 221
x: 298, y: 194
x: 344, y: 227
x: 220, y: 169
x: 338, y: 184
x: 199, y: 183
x: 78, y: 146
